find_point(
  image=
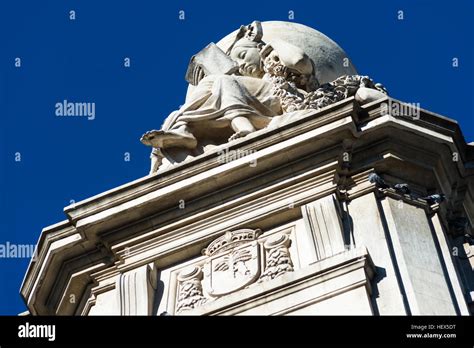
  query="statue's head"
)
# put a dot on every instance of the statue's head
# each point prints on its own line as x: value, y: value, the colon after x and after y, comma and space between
x: 245, y: 50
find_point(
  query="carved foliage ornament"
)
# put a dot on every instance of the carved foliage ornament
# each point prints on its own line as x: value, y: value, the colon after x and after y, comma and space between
x: 278, y: 257
x: 190, y: 289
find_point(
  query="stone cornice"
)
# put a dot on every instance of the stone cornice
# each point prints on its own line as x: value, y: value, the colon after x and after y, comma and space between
x: 208, y: 161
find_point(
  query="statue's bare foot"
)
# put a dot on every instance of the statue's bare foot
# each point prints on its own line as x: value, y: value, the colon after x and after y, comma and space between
x: 239, y: 134
x: 164, y: 139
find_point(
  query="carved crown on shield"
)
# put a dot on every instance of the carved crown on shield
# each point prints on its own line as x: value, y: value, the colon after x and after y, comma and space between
x: 231, y: 240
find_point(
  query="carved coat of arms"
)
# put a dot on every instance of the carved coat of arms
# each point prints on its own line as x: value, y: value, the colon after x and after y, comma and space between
x: 234, y: 262
x: 232, y: 270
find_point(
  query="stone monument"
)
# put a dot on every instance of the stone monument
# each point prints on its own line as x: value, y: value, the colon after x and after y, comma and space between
x: 253, y: 85
x: 286, y: 184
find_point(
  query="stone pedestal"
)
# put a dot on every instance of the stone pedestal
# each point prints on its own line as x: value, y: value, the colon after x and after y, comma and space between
x: 289, y: 225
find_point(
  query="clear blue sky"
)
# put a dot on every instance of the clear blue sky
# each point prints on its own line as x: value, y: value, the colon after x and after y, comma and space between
x: 65, y: 159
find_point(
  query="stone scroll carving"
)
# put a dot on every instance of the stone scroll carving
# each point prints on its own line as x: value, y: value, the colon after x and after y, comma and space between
x: 190, y: 293
x: 278, y: 260
x: 234, y: 261
x: 136, y: 291
x: 240, y: 89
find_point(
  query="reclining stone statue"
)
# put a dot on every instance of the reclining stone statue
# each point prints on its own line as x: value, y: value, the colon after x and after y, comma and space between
x: 242, y: 90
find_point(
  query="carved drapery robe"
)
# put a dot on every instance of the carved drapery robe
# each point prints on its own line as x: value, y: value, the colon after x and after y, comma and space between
x: 220, y: 98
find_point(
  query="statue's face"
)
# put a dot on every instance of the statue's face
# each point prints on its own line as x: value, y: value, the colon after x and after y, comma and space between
x: 247, y: 55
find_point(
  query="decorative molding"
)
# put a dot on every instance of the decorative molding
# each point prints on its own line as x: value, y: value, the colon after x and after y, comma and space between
x: 269, y: 201
x: 94, y: 293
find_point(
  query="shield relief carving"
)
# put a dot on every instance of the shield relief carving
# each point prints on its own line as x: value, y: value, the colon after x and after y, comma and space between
x: 232, y: 270
x: 234, y: 261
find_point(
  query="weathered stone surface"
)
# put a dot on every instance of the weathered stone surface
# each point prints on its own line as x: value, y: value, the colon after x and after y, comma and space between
x: 368, y: 230
x: 423, y: 276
